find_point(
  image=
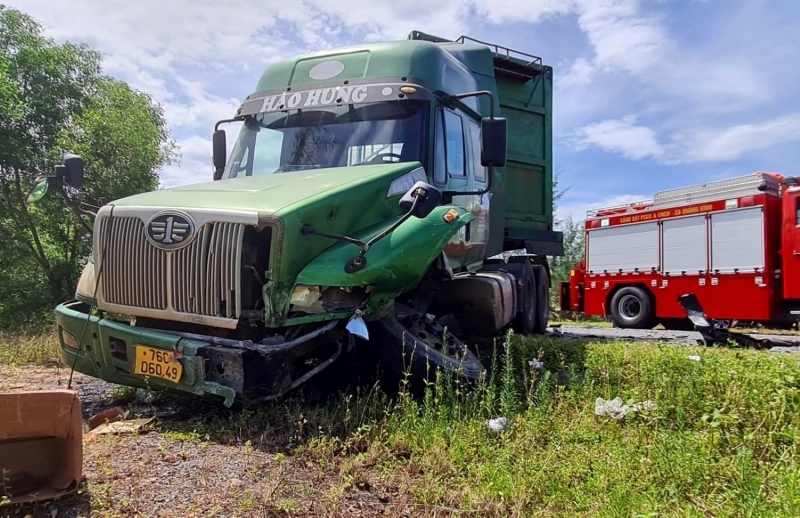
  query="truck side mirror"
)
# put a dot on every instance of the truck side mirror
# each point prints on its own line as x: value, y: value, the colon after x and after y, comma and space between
x: 38, y: 191
x: 494, y: 142
x: 220, y: 150
x: 73, y: 175
x: 428, y: 198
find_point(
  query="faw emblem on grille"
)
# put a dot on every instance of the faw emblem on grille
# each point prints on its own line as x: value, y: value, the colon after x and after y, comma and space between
x: 170, y: 229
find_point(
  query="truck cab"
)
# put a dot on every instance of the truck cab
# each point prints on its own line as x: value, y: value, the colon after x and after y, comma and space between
x: 370, y: 194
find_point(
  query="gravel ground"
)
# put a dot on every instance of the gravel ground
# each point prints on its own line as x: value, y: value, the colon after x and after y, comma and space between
x: 166, y: 471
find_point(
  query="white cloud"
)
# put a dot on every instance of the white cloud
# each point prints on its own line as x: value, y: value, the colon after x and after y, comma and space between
x: 710, y: 145
x: 194, y: 166
x: 199, y: 110
x: 620, y: 136
x: 580, y: 73
x: 200, y: 58
x: 702, y: 144
x: 580, y: 205
x: 621, y: 36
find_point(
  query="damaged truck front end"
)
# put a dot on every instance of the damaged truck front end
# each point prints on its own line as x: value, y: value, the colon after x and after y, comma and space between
x: 211, y: 301
x: 351, y: 207
x: 156, y: 359
x: 194, y: 300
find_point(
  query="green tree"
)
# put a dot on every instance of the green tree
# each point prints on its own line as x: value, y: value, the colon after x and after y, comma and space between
x: 573, y: 245
x: 54, y: 99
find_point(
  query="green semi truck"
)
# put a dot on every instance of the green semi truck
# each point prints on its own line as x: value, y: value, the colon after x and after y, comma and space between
x: 368, y: 200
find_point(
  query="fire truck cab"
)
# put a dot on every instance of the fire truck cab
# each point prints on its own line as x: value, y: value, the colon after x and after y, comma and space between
x: 734, y: 243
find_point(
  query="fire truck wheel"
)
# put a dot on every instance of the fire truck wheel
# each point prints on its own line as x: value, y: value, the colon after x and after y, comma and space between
x: 632, y: 308
x: 542, y: 299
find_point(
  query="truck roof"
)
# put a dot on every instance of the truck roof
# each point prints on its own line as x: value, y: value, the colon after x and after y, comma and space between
x: 752, y: 184
x: 438, y: 64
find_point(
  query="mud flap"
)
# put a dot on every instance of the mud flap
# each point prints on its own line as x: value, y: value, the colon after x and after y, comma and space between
x: 711, y: 335
x: 41, y: 445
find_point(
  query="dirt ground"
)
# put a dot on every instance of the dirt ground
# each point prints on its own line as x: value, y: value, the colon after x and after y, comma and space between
x: 167, y: 470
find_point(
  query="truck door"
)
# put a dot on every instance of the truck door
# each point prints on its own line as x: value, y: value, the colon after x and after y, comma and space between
x: 479, y: 227
x: 791, y: 243
x: 454, y: 171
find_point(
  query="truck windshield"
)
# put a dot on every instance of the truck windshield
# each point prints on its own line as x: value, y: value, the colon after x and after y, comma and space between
x: 349, y: 135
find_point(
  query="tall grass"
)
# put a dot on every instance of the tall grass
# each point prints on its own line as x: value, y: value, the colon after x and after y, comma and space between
x: 37, y: 348
x: 722, y: 439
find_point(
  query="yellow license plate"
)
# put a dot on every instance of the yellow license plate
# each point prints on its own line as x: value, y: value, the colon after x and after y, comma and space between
x: 158, y: 363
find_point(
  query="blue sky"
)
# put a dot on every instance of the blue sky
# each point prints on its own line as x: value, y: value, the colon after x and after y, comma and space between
x: 649, y: 95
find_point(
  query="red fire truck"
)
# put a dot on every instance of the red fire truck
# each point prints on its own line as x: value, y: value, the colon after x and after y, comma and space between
x: 734, y: 243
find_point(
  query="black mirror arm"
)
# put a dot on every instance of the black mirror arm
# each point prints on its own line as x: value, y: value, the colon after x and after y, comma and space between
x: 359, y: 262
x: 390, y: 228
x: 77, y: 211
x: 240, y: 118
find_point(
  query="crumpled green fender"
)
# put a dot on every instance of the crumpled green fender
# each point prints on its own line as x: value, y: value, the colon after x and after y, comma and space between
x: 394, y: 264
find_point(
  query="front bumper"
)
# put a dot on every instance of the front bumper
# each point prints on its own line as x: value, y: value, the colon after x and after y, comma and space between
x: 107, y: 350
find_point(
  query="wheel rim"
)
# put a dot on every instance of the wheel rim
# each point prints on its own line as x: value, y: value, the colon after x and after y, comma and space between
x: 629, y: 307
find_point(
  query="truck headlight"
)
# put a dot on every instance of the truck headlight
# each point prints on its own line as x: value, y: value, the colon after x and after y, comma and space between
x: 86, y: 284
x: 328, y: 299
x: 69, y: 339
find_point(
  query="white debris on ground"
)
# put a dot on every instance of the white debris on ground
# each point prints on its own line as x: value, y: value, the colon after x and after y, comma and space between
x: 497, y: 425
x: 615, y: 409
x: 694, y: 358
x: 536, y: 364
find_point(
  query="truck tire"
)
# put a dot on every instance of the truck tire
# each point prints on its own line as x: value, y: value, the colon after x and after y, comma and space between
x: 525, y: 321
x: 542, y: 299
x: 633, y: 308
x: 406, y: 337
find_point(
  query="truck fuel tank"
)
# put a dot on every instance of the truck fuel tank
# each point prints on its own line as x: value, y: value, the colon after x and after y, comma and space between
x: 483, y: 302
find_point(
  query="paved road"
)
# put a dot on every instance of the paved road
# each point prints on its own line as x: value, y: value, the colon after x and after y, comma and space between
x: 675, y: 337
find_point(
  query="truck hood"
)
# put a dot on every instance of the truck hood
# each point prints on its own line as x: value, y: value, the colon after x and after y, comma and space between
x: 267, y: 194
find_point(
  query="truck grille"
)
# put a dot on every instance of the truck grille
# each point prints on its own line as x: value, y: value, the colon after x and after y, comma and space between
x: 202, y: 278
x: 134, y: 272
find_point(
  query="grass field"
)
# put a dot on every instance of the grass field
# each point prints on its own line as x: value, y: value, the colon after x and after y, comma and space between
x: 721, y: 440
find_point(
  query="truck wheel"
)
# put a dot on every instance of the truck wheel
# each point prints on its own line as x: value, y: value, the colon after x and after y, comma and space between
x: 632, y: 308
x: 410, y: 341
x: 525, y: 321
x: 542, y: 299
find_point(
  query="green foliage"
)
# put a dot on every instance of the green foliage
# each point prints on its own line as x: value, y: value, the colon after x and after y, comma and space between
x: 54, y: 99
x: 28, y: 349
x: 721, y: 440
x: 573, y: 252
x: 573, y: 245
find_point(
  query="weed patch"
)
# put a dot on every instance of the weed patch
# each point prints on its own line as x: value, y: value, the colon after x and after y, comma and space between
x: 29, y: 349
x: 721, y: 438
